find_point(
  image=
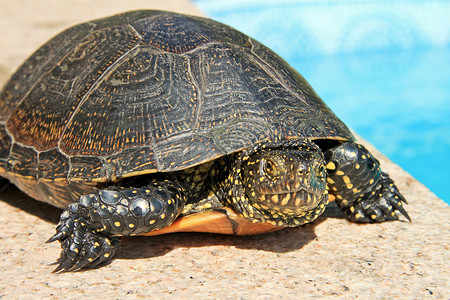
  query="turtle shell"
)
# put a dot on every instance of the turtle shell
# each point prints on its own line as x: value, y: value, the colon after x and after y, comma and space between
x: 145, y: 92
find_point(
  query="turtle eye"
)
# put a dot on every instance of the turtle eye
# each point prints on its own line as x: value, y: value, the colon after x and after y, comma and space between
x: 269, y: 168
x: 319, y: 168
x: 322, y: 170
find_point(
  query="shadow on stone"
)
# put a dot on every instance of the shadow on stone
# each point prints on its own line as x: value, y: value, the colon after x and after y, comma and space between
x: 14, y: 197
x: 285, y: 240
x: 282, y: 241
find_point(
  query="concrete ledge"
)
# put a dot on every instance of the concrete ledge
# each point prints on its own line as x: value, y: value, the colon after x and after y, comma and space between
x: 330, y: 257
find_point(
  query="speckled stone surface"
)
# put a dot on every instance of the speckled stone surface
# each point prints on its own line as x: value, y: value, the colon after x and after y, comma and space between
x: 330, y: 257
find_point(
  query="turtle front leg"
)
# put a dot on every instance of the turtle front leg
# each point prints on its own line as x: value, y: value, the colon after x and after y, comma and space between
x: 89, y: 229
x: 363, y: 192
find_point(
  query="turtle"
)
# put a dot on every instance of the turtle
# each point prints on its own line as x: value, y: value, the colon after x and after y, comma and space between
x: 149, y: 122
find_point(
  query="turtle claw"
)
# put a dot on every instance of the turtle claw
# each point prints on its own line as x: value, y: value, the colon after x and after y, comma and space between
x: 378, y: 205
x: 65, y: 226
x: 66, y: 264
x: 56, y: 237
x: 94, y: 255
x: 82, y: 246
x: 93, y: 251
x: 389, y: 193
x: 398, y: 206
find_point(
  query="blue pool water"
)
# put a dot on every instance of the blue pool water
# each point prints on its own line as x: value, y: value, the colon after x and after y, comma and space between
x: 383, y: 67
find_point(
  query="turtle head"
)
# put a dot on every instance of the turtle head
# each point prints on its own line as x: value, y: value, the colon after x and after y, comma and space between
x: 286, y: 184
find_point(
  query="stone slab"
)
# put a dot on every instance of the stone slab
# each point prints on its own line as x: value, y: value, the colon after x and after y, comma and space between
x: 329, y: 258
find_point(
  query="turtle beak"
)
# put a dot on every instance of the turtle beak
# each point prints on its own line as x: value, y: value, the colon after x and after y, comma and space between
x: 300, y: 200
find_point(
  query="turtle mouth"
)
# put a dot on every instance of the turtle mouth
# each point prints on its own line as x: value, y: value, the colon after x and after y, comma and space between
x: 291, y: 195
x: 301, y: 200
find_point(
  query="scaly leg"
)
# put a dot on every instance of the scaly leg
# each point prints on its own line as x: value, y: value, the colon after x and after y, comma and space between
x: 363, y: 192
x: 89, y: 229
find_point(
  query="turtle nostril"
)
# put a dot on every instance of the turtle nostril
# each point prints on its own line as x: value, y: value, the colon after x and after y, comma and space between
x: 302, y: 170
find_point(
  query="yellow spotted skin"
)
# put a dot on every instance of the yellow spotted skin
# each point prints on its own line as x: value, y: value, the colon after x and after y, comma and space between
x: 363, y: 192
x: 97, y: 219
x: 283, y: 184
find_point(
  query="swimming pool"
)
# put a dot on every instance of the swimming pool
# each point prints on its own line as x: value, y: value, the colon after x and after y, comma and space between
x: 383, y: 67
